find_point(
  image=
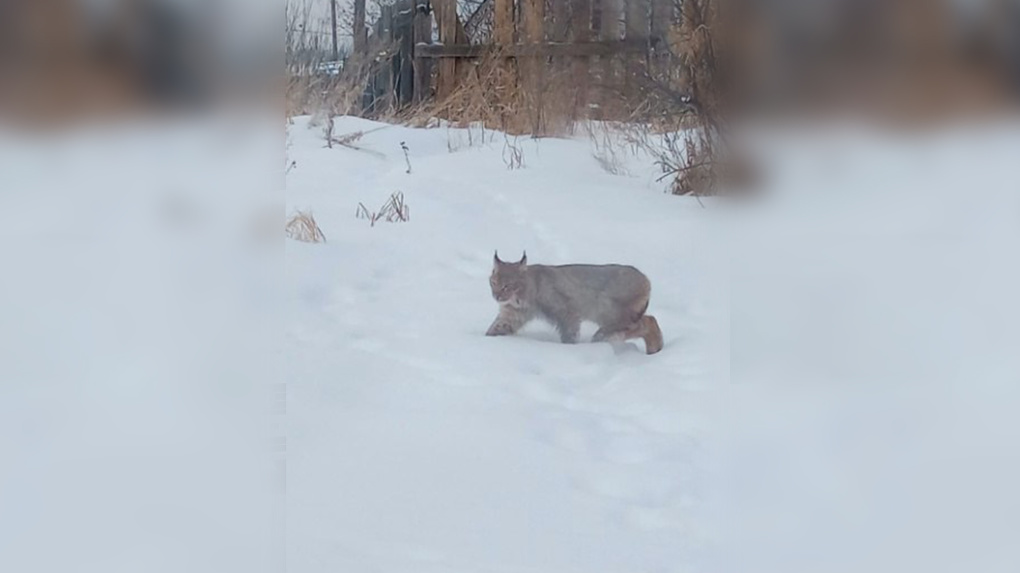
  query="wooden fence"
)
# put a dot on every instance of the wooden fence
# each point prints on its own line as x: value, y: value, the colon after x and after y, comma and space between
x: 594, y: 39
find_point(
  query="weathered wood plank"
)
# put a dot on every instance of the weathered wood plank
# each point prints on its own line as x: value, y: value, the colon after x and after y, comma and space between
x: 558, y: 69
x: 503, y: 22
x: 446, y: 14
x: 559, y: 24
x: 532, y: 21
x: 403, y: 30
x: 662, y: 20
x: 383, y: 92
x: 422, y: 66
x: 581, y: 21
x: 637, y: 19
x: 532, y: 68
x: 637, y: 29
x: 439, y: 7
x: 662, y: 16
x: 359, y: 31
x: 610, y: 30
x: 612, y: 17
x: 585, y: 49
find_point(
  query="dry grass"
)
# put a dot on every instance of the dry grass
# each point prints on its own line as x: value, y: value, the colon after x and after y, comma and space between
x: 612, y: 142
x: 395, y: 210
x: 688, y: 160
x: 302, y: 227
x: 488, y: 94
x: 684, y: 105
x: 513, y: 153
x: 325, y: 95
x: 492, y: 93
x: 667, y: 105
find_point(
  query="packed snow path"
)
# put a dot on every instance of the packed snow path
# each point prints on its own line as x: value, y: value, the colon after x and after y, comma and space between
x: 417, y: 444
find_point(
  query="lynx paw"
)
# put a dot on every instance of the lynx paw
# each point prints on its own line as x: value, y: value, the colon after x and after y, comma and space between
x: 499, y: 329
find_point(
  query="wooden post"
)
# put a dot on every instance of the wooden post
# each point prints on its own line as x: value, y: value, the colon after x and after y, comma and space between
x: 560, y: 22
x: 359, y: 31
x: 581, y: 16
x: 662, y: 18
x: 384, y: 79
x: 637, y: 29
x: 612, y: 14
x: 637, y: 18
x: 503, y: 22
x: 533, y: 23
x: 446, y: 14
x: 422, y: 66
x: 403, y: 29
x: 332, y: 17
x: 557, y: 71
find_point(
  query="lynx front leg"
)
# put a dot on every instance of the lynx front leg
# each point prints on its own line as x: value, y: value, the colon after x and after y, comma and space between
x: 570, y: 329
x: 507, y: 322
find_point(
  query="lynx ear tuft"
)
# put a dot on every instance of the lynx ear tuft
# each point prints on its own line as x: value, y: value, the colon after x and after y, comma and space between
x: 495, y: 258
x: 524, y: 259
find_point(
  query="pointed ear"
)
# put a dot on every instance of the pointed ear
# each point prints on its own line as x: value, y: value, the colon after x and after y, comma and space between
x: 495, y: 258
x: 524, y: 259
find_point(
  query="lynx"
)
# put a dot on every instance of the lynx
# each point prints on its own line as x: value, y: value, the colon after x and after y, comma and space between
x: 613, y: 296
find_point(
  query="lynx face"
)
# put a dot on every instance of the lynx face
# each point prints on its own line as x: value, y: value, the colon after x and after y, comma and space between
x: 508, y: 282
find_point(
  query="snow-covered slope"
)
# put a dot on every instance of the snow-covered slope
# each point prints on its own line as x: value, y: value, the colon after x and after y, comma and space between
x: 417, y: 444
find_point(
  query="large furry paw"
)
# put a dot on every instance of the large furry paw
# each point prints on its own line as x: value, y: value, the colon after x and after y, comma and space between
x: 499, y: 329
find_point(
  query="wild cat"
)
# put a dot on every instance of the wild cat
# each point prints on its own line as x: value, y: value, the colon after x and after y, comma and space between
x: 613, y: 296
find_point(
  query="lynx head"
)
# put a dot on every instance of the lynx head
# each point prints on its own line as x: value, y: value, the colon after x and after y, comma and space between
x: 508, y: 281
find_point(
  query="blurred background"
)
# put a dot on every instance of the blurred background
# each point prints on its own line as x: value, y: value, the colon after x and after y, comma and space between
x: 68, y: 58
x: 927, y: 58
x: 64, y: 59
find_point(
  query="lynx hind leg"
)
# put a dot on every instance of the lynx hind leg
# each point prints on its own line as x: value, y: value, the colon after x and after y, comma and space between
x: 630, y: 323
x: 647, y: 329
x: 609, y: 334
x: 653, y: 335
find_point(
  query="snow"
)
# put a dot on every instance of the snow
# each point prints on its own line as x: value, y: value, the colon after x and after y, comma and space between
x: 838, y: 390
x: 864, y: 316
x: 136, y: 347
x: 871, y: 424
x: 415, y: 443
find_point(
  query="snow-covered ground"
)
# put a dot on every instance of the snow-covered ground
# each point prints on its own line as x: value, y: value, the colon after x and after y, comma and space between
x: 875, y: 327
x: 417, y: 444
x: 137, y: 345
x: 838, y: 390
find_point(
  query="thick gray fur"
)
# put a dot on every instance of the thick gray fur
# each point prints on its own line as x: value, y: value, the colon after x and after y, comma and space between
x: 615, y: 297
